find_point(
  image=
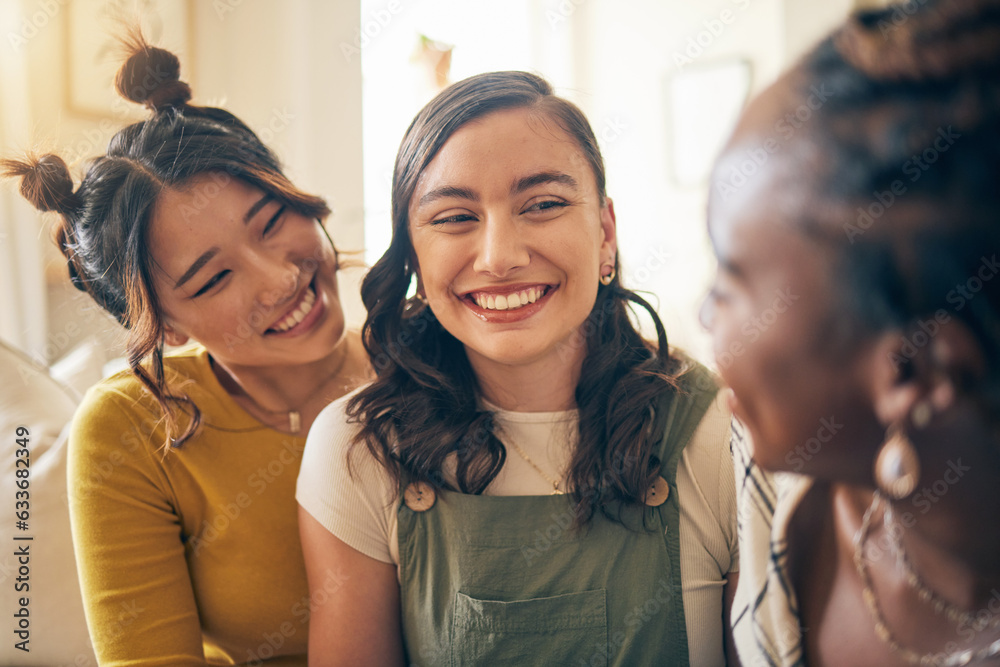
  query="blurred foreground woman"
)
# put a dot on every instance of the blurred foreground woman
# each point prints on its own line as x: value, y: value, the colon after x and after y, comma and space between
x: 880, y: 384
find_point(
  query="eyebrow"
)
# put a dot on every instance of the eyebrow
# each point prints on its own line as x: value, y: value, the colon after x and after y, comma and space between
x: 519, y: 186
x: 253, y: 210
x: 528, y: 182
x: 198, y: 264
x: 214, y: 250
x: 448, y: 191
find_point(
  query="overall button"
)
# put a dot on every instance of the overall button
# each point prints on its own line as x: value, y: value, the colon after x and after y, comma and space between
x: 657, y: 493
x: 419, y: 496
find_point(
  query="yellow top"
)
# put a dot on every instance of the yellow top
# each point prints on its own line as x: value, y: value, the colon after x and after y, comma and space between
x: 193, y: 558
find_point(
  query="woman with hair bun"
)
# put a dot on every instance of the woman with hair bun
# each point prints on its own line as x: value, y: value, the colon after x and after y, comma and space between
x: 876, y: 395
x: 182, y: 471
x: 527, y: 481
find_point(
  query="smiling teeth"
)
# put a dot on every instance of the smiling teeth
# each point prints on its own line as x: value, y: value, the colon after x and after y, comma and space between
x: 298, y: 314
x: 508, y: 301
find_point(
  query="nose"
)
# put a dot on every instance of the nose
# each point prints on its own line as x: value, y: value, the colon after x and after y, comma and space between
x: 502, y: 248
x: 278, y: 279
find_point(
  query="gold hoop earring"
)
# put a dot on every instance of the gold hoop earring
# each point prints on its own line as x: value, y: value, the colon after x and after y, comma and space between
x: 606, y: 279
x: 897, y: 466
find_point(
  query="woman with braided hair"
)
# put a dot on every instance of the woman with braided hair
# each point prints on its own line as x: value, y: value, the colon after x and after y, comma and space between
x: 877, y: 393
x: 182, y: 471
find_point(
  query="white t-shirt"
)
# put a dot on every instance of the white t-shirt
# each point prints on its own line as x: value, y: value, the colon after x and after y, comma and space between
x: 361, y: 509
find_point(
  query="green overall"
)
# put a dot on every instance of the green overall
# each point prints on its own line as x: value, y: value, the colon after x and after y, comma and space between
x: 507, y: 580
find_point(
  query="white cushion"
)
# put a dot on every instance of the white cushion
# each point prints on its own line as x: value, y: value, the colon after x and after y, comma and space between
x: 82, y: 367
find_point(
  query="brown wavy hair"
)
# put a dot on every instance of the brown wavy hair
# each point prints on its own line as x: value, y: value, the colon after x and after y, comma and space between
x: 423, y: 405
x: 913, y: 113
x: 104, y: 223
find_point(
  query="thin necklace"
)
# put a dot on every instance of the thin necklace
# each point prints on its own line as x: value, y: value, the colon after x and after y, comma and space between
x: 941, y: 606
x: 954, y: 659
x: 294, y: 415
x: 545, y: 476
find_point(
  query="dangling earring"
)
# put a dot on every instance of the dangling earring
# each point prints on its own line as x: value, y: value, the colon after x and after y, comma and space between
x: 607, y: 278
x: 897, y: 466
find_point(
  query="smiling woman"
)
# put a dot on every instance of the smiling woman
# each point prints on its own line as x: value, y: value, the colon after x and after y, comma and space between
x: 182, y: 471
x: 527, y: 481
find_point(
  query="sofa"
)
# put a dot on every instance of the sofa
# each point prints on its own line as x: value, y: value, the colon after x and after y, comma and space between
x: 43, y: 401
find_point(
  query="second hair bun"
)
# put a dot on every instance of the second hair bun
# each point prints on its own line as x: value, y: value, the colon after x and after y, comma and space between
x: 151, y: 76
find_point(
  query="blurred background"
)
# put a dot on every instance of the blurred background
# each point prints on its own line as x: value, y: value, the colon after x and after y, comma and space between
x: 332, y: 86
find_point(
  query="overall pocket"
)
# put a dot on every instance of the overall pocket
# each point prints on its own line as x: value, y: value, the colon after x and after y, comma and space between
x: 569, y: 629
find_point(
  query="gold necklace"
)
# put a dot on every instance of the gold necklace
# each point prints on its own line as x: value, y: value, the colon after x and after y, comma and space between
x: 545, y: 476
x: 941, y: 606
x: 293, y: 415
x: 953, y: 659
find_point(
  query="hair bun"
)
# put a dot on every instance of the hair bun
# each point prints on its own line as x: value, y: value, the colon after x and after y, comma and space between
x: 151, y: 76
x: 45, y: 182
x: 903, y: 42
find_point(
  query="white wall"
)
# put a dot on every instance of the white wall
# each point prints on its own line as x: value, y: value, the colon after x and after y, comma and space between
x: 630, y: 52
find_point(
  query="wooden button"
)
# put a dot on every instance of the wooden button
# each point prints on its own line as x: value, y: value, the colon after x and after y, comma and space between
x: 419, y: 496
x: 657, y: 493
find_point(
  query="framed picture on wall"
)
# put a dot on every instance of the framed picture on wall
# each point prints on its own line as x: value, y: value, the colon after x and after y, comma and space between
x: 93, y: 52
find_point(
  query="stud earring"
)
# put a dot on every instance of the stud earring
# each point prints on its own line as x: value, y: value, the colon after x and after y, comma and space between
x: 897, y: 466
x: 921, y: 414
x: 606, y: 278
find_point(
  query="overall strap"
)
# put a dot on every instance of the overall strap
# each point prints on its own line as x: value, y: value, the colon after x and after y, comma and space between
x: 685, y: 409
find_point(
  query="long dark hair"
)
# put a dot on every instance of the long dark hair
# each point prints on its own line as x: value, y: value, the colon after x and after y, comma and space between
x: 909, y: 186
x: 104, y: 223
x: 423, y: 405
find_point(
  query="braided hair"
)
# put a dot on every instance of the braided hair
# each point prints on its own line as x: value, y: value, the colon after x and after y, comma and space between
x: 104, y: 224
x: 908, y: 189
